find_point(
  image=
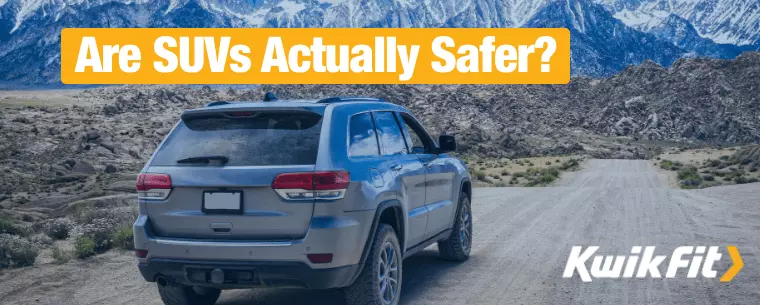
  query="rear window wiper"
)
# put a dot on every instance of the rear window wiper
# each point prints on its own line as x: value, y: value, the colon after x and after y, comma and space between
x: 204, y: 159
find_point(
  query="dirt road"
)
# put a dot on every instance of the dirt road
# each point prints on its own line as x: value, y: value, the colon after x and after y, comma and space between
x: 522, y: 241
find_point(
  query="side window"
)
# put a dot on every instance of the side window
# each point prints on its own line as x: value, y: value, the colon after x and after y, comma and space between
x: 389, y: 133
x: 363, y: 140
x: 416, y: 137
x: 413, y: 140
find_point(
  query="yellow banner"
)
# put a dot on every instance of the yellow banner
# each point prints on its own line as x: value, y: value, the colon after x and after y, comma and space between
x: 315, y: 56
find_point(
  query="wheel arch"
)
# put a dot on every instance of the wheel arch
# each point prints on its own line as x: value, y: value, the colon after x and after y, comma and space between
x: 390, y: 212
x: 466, y: 188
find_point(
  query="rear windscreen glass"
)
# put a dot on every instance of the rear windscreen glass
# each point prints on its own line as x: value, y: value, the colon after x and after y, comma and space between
x: 263, y: 138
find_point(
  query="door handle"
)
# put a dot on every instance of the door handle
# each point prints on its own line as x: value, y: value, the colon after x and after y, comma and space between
x: 397, y: 167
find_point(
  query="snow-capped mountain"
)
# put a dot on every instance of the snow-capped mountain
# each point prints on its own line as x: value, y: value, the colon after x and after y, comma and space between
x: 723, y: 21
x: 601, y: 44
x: 605, y: 38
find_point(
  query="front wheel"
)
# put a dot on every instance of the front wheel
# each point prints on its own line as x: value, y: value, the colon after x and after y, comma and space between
x: 457, y: 247
x: 187, y: 295
x: 379, y: 282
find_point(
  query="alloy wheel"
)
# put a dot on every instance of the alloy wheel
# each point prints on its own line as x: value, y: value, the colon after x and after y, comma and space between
x: 388, y: 273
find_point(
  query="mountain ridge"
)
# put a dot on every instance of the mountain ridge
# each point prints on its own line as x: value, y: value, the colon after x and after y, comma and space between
x: 602, y: 43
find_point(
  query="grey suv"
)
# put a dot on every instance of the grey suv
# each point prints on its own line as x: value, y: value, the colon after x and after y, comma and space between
x: 314, y: 194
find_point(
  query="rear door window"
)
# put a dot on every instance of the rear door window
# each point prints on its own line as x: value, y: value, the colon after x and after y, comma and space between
x: 254, y: 139
x: 391, y: 139
x: 363, y: 139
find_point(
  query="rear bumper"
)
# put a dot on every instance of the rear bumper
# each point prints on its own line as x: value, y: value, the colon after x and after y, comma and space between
x: 247, y: 274
x: 343, y: 236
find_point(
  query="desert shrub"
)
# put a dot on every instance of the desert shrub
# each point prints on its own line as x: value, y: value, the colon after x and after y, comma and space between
x: 746, y: 161
x: 666, y: 164
x: 500, y: 184
x: 690, y: 183
x: 552, y: 171
x: 708, y: 177
x: 570, y: 164
x: 547, y: 178
x: 495, y: 176
x: 548, y: 163
x: 58, y: 228
x: 479, y: 175
x: 8, y: 226
x: 482, y: 168
x: 84, y: 247
x: 688, y: 172
x: 724, y: 158
x: 752, y: 180
x: 124, y: 239
x: 60, y: 256
x: 16, y: 251
x: 741, y: 180
x: 753, y: 168
x: 689, y: 177
x: 556, y: 161
x: 713, y: 163
x: 100, y: 231
x: 504, y: 173
x: 518, y: 175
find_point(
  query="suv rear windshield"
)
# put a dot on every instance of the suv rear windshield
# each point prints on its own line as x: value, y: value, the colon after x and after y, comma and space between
x: 256, y: 139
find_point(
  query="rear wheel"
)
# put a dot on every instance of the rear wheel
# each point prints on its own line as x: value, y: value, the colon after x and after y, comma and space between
x: 188, y: 295
x: 457, y: 247
x: 379, y: 282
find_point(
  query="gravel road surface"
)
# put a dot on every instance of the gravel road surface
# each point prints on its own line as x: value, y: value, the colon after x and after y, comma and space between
x: 523, y: 237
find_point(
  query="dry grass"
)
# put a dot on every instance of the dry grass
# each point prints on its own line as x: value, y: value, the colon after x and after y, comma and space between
x: 706, y: 167
x: 534, y: 171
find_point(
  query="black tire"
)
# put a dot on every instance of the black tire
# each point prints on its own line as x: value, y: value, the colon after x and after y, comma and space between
x: 187, y: 295
x: 456, y: 247
x: 366, y: 289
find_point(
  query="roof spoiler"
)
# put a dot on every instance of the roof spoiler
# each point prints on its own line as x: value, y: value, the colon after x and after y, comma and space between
x: 348, y: 99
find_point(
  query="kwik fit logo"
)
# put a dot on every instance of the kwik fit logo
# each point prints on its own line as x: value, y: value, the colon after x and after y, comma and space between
x: 692, y: 261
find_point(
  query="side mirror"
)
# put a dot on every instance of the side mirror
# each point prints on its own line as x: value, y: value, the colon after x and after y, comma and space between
x: 446, y: 143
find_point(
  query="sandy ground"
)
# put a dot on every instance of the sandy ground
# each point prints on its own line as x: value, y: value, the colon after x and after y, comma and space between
x: 696, y: 156
x: 42, y: 98
x: 523, y: 237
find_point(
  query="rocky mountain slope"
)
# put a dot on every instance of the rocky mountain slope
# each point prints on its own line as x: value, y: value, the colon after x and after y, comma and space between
x: 607, y: 35
x: 55, y: 154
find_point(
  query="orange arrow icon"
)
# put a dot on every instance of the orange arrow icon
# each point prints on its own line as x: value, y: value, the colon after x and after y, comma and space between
x: 738, y: 264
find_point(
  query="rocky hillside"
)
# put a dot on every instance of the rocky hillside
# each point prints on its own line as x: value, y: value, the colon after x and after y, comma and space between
x: 55, y: 154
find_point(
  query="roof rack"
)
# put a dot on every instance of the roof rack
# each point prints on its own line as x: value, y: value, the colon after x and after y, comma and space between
x: 217, y: 103
x: 348, y: 99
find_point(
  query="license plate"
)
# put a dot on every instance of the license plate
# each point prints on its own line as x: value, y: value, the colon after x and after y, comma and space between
x: 222, y: 202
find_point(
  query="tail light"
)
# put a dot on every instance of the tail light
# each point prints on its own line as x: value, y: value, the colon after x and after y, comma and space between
x: 153, y: 186
x: 141, y: 253
x: 308, y: 186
